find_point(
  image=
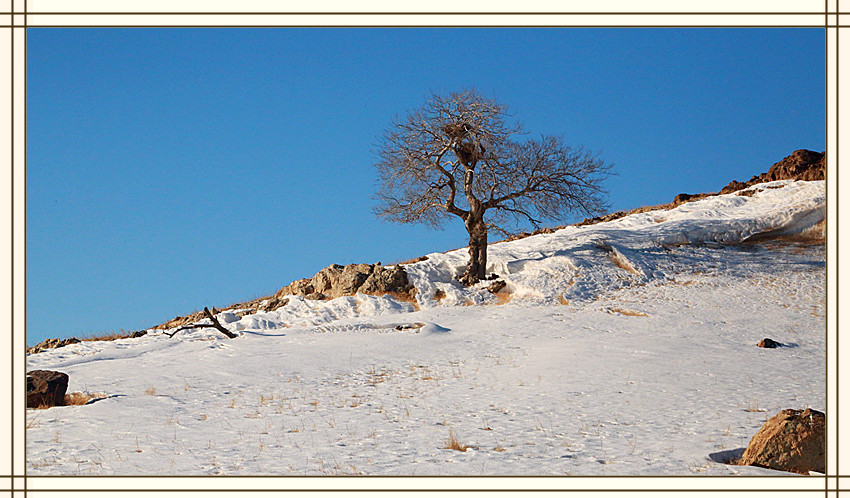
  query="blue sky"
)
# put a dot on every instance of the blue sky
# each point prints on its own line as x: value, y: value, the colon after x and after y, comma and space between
x: 172, y: 169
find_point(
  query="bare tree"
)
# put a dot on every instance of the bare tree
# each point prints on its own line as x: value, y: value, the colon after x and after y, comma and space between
x: 461, y: 155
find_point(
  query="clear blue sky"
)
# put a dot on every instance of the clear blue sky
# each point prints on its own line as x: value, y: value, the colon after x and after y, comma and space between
x: 172, y: 169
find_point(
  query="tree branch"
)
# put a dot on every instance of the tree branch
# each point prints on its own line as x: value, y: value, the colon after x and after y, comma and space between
x: 215, y: 325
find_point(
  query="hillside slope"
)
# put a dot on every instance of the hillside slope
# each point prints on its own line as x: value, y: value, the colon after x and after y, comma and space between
x: 620, y: 348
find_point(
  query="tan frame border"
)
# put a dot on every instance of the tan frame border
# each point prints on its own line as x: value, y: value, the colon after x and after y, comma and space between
x: 19, y: 20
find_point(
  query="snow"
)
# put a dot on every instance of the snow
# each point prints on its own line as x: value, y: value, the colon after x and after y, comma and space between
x: 626, y: 348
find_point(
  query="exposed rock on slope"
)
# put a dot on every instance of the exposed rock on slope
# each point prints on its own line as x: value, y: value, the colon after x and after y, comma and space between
x: 793, y: 441
x: 803, y: 164
x: 337, y: 280
x: 51, y: 344
x: 331, y: 282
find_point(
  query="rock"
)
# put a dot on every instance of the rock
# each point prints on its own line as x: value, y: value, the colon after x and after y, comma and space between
x: 681, y: 198
x: 769, y: 343
x: 350, y: 280
x: 138, y: 333
x: 300, y: 287
x: 410, y: 326
x: 496, y: 286
x: 273, y: 303
x: 51, y: 344
x: 733, y: 186
x: 793, y: 441
x: 337, y: 280
x: 46, y: 388
x: 383, y: 280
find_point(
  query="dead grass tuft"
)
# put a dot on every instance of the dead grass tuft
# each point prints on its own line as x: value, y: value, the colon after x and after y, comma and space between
x: 411, y: 261
x: 814, y: 235
x: 454, y: 444
x: 626, y: 312
x: 563, y: 300
x: 621, y: 262
x: 81, y: 398
x: 503, y: 297
x: 106, y: 336
x: 439, y: 295
x: 406, y: 297
x: 151, y: 391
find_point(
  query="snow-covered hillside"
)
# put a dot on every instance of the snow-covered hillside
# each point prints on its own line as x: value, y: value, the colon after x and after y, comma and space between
x: 622, y: 348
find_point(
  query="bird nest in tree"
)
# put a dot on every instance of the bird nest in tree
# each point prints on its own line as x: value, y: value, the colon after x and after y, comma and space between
x: 457, y: 130
x: 468, y: 153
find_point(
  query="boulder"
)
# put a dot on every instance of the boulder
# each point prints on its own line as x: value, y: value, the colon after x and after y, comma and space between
x: 46, y: 388
x: 768, y: 343
x: 793, y: 441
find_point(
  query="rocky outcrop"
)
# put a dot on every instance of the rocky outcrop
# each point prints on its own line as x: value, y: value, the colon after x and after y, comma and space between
x: 51, y: 344
x: 793, y: 441
x: 46, y: 388
x: 803, y: 164
x: 683, y: 198
x: 337, y: 280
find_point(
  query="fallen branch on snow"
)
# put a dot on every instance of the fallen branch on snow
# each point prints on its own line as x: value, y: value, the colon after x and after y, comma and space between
x: 215, y: 325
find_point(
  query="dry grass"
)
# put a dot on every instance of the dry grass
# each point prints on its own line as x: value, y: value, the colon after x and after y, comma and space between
x: 454, y: 444
x: 106, y: 336
x: 626, y: 312
x: 81, y: 398
x: 405, y: 297
x: 753, y: 407
x: 563, y: 300
x: 410, y: 261
x: 439, y: 295
x: 503, y: 297
x: 621, y: 262
x: 813, y: 236
x: 151, y: 391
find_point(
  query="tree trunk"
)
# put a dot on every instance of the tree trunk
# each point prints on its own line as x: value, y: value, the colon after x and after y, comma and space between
x: 476, y: 268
